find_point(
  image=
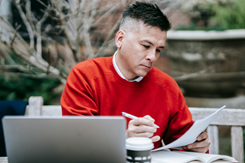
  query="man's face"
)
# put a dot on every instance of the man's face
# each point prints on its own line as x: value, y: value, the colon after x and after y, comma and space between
x: 139, y: 50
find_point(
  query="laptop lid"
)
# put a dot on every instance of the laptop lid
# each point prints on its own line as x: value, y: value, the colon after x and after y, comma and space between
x: 65, y: 139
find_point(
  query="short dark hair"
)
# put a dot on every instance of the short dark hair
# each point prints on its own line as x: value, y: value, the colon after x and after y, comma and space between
x: 149, y: 13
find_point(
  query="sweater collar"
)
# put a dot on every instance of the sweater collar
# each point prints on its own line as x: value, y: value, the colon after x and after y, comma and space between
x: 138, y: 79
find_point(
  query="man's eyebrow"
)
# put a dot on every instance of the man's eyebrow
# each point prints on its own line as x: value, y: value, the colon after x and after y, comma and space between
x: 149, y: 42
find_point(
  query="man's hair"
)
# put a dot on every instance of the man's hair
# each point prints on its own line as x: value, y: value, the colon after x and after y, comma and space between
x: 149, y: 13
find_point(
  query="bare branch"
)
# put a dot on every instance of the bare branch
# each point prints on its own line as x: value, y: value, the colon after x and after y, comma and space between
x: 82, y: 5
x: 4, y: 51
x: 106, y: 14
x: 42, y: 3
x: 87, y: 41
x: 2, y: 60
x: 27, y: 24
x: 39, y: 76
x: 29, y: 15
x: 39, y: 37
x: 11, y: 44
x: 69, y: 36
x: 93, y: 11
x: 13, y: 68
x: 29, y: 55
x: 87, y: 26
x: 110, y: 36
x: 78, y: 24
x: 77, y: 9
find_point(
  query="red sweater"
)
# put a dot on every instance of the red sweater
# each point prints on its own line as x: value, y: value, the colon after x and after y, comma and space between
x: 95, y: 88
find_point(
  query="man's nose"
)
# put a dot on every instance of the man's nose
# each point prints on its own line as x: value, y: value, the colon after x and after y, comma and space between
x: 151, y: 55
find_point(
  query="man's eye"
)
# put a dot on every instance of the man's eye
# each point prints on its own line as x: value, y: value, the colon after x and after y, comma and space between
x: 158, y: 51
x: 146, y: 46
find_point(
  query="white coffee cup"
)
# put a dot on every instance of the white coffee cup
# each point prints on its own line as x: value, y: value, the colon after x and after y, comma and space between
x: 139, y: 149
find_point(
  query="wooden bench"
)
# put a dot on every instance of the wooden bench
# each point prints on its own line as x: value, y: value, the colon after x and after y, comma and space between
x: 228, y: 117
x: 36, y: 108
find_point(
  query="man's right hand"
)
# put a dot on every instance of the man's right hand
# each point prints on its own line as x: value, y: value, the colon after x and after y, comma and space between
x: 142, y: 127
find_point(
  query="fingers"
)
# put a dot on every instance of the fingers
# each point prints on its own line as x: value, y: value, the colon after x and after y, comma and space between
x: 140, y: 130
x: 142, y: 127
x: 149, y: 118
x: 202, y: 136
x: 155, y: 138
x: 201, y: 145
x: 147, y: 121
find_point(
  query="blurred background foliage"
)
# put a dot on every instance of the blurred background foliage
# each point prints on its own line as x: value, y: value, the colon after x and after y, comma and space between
x: 21, y: 88
x: 214, y: 15
x: 204, y: 15
x: 230, y: 17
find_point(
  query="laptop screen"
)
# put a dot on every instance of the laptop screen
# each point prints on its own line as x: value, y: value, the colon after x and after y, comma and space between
x: 65, y: 139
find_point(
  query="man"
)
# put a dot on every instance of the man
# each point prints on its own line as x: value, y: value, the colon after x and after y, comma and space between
x: 128, y: 82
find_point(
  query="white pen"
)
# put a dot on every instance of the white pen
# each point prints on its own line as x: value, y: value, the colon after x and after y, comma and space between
x: 134, y: 117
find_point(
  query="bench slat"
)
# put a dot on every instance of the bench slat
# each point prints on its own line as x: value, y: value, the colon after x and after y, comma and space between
x: 213, y: 134
x: 34, y: 107
x: 51, y: 110
x: 230, y: 117
x: 237, y: 143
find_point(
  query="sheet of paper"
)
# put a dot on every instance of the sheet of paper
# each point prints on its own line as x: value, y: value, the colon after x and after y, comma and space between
x: 190, y: 136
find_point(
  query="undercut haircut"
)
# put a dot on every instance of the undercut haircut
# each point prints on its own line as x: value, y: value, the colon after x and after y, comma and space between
x: 148, y: 13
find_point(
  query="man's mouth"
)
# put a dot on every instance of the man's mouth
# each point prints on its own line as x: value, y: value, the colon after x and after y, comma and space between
x: 147, y: 66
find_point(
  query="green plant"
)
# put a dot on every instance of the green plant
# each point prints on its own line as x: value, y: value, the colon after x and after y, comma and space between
x: 214, y: 15
x: 21, y: 88
x: 232, y: 16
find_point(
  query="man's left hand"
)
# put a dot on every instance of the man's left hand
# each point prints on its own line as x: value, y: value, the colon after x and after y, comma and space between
x: 201, y: 145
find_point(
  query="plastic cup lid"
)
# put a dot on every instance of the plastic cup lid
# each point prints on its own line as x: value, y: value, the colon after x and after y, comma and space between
x: 139, y: 143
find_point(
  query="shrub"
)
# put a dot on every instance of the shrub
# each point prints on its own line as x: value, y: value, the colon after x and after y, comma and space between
x: 214, y: 15
x: 21, y: 88
x: 232, y: 16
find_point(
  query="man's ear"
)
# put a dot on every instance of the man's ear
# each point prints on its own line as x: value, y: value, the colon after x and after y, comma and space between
x: 119, y: 38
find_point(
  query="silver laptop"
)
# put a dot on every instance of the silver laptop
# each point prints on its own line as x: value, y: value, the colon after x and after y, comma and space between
x: 65, y: 139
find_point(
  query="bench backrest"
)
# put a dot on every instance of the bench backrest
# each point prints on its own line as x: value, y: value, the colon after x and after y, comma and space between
x: 228, y: 117
x: 36, y: 108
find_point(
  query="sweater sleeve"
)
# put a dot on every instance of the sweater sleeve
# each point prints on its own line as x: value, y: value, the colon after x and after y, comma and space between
x: 180, y: 120
x: 78, y: 96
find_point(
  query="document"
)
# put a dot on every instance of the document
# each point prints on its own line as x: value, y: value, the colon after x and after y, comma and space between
x: 189, y: 157
x: 190, y: 136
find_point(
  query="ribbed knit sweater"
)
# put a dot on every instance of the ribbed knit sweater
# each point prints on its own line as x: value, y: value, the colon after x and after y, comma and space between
x: 94, y: 88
